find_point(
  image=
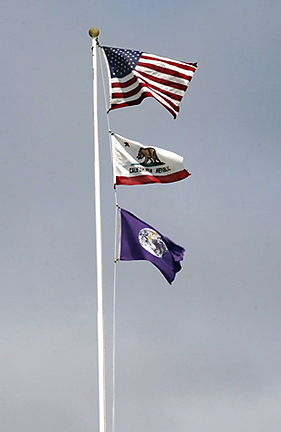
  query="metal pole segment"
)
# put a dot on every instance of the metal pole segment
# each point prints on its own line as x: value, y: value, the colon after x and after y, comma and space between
x: 93, y: 32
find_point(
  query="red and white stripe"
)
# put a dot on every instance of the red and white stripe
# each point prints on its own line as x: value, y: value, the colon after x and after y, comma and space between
x: 164, y: 79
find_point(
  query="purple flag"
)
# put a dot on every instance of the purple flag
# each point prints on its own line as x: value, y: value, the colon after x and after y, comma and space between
x: 140, y: 241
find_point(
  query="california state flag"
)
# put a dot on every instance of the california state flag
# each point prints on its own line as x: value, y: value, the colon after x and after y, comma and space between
x: 134, y: 163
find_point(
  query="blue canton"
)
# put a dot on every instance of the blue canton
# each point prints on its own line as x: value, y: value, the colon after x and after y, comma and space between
x: 121, y: 61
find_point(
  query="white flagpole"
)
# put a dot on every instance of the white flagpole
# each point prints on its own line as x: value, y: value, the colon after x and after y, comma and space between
x: 94, y: 32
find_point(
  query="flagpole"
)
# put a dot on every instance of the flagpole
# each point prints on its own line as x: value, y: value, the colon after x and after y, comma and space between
x: 94, y: 33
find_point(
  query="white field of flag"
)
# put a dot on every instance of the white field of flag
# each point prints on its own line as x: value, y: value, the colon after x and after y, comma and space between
x: 135, y: 164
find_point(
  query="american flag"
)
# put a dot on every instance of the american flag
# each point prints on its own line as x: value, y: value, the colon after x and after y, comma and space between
x: 136, y: 75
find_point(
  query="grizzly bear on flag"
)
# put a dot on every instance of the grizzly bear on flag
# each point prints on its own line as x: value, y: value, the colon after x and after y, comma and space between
x: 149, y: 153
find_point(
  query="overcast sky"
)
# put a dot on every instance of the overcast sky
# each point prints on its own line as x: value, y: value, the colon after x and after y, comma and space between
x: 202, y: 355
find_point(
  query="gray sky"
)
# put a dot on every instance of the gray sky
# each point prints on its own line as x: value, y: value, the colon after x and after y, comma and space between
x: 202, y: 355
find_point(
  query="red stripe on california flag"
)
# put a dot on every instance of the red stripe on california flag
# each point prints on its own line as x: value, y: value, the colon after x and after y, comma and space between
x: 146, y: 179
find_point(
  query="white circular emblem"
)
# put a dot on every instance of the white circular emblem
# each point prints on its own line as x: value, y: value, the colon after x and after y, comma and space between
x: 151, y: 241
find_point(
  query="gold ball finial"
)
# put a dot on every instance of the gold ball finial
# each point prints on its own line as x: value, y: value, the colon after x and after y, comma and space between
x: 94, y: 32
